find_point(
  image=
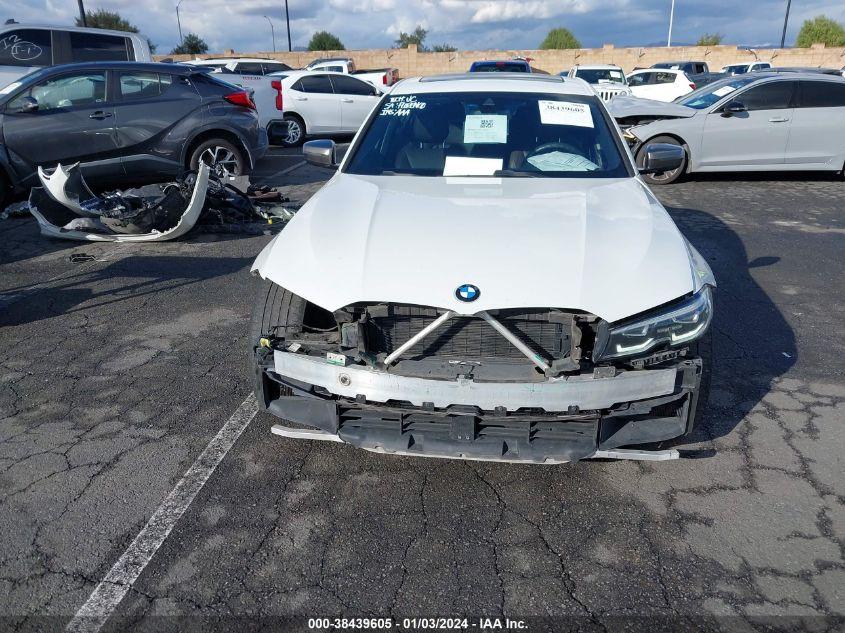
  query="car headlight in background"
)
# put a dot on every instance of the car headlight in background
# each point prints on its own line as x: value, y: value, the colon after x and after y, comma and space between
x: 676, y: 326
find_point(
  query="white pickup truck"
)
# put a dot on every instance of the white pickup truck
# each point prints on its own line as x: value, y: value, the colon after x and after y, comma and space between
x: 380, y: 77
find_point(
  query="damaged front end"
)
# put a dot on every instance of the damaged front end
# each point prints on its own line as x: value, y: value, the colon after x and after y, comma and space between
x: 520, y: 385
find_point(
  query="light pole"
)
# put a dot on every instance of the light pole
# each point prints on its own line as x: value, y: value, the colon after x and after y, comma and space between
x: 272, y: 32
x: 785, y: 21
x: 82, y: 13
x: 671, y: 19
x: 287, y: 19
x: 179, y: 22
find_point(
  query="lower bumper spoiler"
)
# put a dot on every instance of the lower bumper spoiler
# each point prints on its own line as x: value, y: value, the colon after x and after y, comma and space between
x: 513, y: 432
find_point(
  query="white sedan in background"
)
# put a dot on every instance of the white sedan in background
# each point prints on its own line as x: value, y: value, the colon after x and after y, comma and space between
x: 663, y: 84
x: 320, y: 103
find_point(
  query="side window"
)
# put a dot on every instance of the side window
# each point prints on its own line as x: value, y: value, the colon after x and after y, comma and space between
x: 138, y: 85
x: 334, y: 69
x: 26, y: 47
x: 640, y: 79
x: 248, y: 68
x: 314, y: 84
x: 349, y: 86
x: 822, y: 94
x: 664, y: 78
x: 93, y: 47
x: 775, y: 95
x: 66, y: 91
x: 274, y: 68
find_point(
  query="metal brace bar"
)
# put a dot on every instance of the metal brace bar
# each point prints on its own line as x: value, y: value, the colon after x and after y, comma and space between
x: 418, y: 337
x: 522, y: 347
x: 635, y: 454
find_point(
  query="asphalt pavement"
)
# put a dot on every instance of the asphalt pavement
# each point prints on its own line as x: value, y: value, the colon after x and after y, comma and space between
x: 118, y: 371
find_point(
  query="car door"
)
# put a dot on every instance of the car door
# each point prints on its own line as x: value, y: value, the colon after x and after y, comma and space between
x: 817, y: 136
x: 313, y: 98
x: 640, y: 83
x: 148, y: 106
x: 756, y: 137
x: 74, y: 122
x: 357, y: 99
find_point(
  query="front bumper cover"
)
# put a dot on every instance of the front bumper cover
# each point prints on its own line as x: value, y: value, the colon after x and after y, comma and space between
x: 554, y: 421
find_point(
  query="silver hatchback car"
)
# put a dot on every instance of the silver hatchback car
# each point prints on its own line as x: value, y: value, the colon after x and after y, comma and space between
x: 765, y: 121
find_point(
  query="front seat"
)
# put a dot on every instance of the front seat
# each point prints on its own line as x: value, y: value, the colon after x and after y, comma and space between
x: 427, y: 150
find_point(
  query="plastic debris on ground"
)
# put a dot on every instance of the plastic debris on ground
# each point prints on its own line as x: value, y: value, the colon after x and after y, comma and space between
x: 66, y: 208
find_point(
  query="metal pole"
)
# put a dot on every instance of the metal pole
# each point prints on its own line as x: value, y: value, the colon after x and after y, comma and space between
x: 179, y: 22
x: 785, y: 21
x: 272, y: 32
x: 82, y: 12
x: 287, y: 19
x: 671, y: 19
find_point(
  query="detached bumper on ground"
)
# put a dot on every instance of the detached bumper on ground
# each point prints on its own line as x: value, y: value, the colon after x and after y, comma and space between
x: 550, y: 421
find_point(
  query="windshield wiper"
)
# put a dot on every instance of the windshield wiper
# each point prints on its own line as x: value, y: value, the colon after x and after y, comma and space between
x: 513, y: 173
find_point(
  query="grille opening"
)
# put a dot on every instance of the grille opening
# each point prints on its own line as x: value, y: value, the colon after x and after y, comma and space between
x: 468, y: 337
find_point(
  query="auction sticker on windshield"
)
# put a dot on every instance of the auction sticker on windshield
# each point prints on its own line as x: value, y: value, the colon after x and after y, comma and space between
x: 486, y: 128
x: 724, y: 90
x: 565, y: 113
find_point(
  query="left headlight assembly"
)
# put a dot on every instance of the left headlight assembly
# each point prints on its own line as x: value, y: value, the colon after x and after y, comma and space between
x: 678, y: 325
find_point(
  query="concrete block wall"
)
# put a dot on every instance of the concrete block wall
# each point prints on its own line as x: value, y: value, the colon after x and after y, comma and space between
x: 412, y: 62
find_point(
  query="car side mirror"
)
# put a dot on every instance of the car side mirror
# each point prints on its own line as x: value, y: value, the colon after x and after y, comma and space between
x: 660, y: 157
x: 322, y: 153
x: 27, y: 105
x: 733, y: 107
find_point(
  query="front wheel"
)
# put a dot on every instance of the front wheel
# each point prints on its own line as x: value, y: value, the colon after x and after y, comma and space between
x: 665, y: 177
x: 222, y: 156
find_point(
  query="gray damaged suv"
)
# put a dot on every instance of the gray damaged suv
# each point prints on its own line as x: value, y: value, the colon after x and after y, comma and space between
x: 125, y: 121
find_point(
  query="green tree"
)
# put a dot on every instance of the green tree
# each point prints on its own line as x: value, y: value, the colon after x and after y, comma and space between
x: 112, y: 20
x: 821, y: 30
x: 710, y: 39
x: 443, y: 48
x: 325, y: 41
x: 560, y: 38
x: 193, y: 44
x: 417, y: 36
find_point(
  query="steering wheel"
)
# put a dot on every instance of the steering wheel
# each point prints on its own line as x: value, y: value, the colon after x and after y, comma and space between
x: 559, y: 146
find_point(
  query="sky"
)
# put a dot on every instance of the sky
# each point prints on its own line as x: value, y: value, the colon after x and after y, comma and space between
x: 466, y: 24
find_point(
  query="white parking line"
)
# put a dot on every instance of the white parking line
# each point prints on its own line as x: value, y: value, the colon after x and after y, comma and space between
x: 107, y: 595
x: 286, y: 170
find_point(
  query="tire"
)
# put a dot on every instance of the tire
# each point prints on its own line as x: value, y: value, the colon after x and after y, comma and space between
x: 223, y: 156
x: 296, y: 131
x: 276, y: 312
x: 666, y: 177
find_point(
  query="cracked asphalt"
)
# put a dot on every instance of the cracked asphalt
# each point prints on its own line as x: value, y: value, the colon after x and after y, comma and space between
x: 115, y: 374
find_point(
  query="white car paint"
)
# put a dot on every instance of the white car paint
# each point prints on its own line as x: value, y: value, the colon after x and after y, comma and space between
x: 24, y: 48
x: 327, y: 113
x: 659, y: 84
x: 741, y: 69
x: 379, y: 77
x: 605, y: 246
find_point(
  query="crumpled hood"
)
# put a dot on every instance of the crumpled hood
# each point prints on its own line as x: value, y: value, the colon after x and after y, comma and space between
x: 602, y: 246
x: 622, y: 107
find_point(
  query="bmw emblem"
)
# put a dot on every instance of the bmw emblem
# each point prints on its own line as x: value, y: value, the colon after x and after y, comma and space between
x: 467, y: 293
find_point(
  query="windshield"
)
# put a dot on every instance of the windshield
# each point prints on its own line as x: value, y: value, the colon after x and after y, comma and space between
x: 738, y: 69
x: 711, y: 93
x: 489, y: 134
x: 602, y: 75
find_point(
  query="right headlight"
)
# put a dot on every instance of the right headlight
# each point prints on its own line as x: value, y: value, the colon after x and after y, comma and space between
x: 676, y: 326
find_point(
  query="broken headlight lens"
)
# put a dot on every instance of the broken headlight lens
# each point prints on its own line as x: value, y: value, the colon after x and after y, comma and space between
x: 677, y: 326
